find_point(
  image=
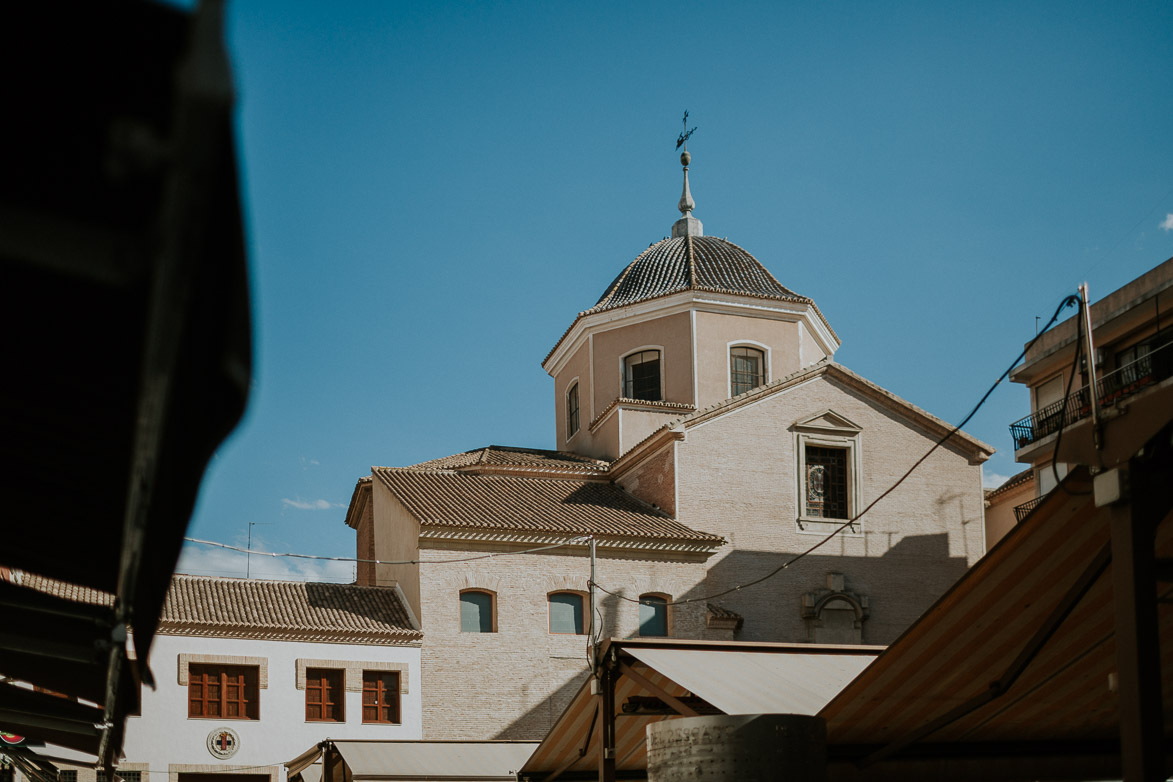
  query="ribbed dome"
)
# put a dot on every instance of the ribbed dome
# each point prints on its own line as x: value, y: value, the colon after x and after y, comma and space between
x: 703, y: 263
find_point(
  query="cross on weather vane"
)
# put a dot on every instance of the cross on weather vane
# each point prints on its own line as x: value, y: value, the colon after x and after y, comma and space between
x: 682, y: 139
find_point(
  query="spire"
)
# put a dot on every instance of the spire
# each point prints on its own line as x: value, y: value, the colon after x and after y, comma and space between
x: 687, y: 225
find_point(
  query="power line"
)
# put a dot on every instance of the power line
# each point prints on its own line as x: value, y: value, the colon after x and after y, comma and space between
x: 1067, y: 302
x: 571, y: 542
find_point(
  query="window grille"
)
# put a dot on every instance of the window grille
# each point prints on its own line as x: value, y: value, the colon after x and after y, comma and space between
x: 826, y: 482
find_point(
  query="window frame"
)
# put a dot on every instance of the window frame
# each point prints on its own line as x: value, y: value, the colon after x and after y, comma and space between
x: 623, y: 368
x: 250, y: 699
x: 576, y: 413
x: 751, y: 344
x: 666, y: 601
x: 828, y: 430
x: 492, y: 610
x: 394, y: 705
x: 582, y: 597
x: 337, y: 688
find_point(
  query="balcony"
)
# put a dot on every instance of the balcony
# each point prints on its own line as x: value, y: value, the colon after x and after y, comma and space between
x: 1023, y: 510
x: 1148, y: 370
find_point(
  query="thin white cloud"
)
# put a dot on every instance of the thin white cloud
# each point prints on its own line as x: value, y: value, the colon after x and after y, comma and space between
x: 205, y: 561
x: 301, y: 504
x: 1167, y: 223
x: 992, y: 480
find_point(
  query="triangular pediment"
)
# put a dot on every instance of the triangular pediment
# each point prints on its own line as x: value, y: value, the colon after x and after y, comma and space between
x: 828, y: 421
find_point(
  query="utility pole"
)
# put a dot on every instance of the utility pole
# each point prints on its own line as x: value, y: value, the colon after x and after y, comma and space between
x: 591, y: 648
x: 1092, y: 383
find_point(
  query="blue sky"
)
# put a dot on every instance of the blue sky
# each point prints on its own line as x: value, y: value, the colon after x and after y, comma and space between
x: 433, y: 191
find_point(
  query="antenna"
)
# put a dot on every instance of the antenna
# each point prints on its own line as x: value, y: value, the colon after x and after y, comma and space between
x: 248, y: 557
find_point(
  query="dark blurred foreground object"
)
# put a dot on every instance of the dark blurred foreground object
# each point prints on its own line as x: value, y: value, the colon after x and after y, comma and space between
x: 126, y: 341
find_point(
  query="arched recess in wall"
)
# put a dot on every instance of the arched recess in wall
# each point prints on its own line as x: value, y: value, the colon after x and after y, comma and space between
x: 835, y: 617
x: 655, y: 615
x: 478, y: 611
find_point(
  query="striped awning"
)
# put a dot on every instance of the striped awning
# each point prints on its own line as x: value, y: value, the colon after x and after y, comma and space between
x: 1035, y: 615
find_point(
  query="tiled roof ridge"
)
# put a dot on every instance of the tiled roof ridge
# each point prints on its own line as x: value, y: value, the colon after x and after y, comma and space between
x: 618, y: 281
x: 479, y: 458
x: 819, y: 367
x: 690, y: 257
x: 1013, y: 482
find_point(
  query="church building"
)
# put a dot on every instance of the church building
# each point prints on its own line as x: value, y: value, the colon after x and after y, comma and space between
x: 705, y: 438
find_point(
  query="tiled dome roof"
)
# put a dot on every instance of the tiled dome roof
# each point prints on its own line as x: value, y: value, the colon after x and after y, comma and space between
x: 703, y: 263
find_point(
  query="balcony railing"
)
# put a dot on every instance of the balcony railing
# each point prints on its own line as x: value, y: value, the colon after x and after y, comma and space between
x: 1023, y: 510
x: 1149, y: 369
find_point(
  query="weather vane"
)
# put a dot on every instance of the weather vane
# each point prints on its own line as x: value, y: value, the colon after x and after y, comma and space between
x: 682, y: 139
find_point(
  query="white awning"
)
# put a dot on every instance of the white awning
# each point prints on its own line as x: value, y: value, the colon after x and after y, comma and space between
x: 757, y: 682
x: 434, y: 760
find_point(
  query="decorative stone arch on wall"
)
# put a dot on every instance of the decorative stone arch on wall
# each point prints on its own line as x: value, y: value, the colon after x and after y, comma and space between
x: 565, y: 583
x: 835, y: 615
x: 481, y: 582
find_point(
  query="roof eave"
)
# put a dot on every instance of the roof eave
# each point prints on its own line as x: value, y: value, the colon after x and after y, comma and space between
x: 804, y: 309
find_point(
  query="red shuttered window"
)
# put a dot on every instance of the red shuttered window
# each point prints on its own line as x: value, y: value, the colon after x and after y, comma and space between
x: 323, y: 695
x: 223, y: 691
x: 380, y: 697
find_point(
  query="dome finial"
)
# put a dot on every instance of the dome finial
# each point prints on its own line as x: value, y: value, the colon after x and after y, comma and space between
x: 686, y: 225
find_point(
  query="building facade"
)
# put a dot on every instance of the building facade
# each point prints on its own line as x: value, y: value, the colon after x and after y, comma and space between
x: 705, y: 438
x: 1132, y: 361
x: 248, y: 673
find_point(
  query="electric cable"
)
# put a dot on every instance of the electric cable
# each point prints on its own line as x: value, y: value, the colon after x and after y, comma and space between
x: 571, y: 542
x: 1068, y: 301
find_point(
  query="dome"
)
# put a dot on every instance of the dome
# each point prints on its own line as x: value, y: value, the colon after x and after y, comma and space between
x: 699, y: 263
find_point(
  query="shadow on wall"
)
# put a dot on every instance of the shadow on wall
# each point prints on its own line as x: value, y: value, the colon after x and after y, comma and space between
x: 537, y: 721
x: 899, y: 586
x: 370, y: 603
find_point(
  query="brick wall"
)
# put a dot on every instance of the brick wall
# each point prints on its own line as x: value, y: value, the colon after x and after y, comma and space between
x: 514, y: 683
x: 738, y: 478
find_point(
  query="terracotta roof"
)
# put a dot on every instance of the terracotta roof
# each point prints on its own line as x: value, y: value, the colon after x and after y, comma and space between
x: 441, y: 498
x: 703, y: 263
x: 720, y: 612
x: 51, y: 586
x: 306, y: 610
x: 506, y: 456
x: 303, y: 609
x: 1012, y: 482
x: 697, y: 263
